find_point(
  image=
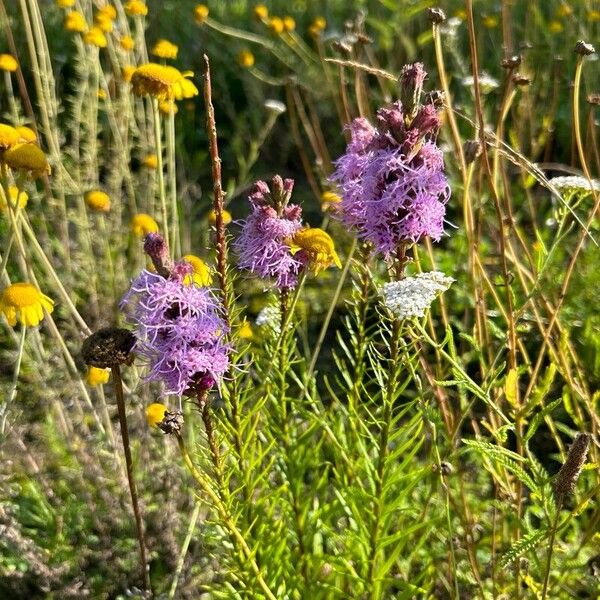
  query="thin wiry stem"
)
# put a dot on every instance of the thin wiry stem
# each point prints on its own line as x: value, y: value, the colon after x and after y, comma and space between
x: 118, y: 382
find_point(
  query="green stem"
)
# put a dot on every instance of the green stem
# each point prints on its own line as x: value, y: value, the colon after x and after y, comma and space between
x: 225, y: 517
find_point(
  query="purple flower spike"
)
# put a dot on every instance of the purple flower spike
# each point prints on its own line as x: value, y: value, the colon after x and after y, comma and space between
x: 261, y: 246
x: 391, y: 177
x: 180, y: 331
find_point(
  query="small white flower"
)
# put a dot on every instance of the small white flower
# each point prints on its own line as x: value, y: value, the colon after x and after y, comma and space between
x: 412, y: 296
x: 269, y: 317
x: 573, y: 183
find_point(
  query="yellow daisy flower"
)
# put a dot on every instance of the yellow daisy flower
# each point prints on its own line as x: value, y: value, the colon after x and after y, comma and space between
x: 150, y: 161
x: 103, y: 23
x: 96, y: 376
x: 261, y: 12
x: 201, y: 275
x: 276, y: 25
x: 289, y: 24
x: 317, y: 27
x: 8, y: 63
x: 318, y: 247
x: 246, y: 59
x: 108, y: 11
x: 65, y: 3
x: 155, y: 413
x: 163, y: 82
x: 200, y: 13
x: 25, y: 303
x: 9, y: 136
x: 136, y: 8
x: 212, y: 217
x: 95, y: 37
x: 143, y: 224
x: 27, y: 157
x: 26, y: 134
x: 165, y: 49
x: 75, y: 21
x: 126, y: 42
x: 98, y: 200
x: 13, y: 191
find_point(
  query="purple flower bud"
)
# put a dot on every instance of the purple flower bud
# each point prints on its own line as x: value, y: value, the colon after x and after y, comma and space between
x: 156, y: 248
x: 411, y: 86
x: 181, y: 269
x: 427, y: 121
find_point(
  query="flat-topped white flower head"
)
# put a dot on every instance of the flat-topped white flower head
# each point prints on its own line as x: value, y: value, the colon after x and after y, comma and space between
x: 412, y: 296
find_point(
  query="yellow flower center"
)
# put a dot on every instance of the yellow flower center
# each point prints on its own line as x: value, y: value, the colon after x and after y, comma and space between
x: 126, y: 42
x: 8, y: 63
x: 155, y: 413
x: 212, y: 217
x: 75, y: 21
x: 24, y: 301
x: 98, y: 200
x: 136, y: 8
x: 261, y: 12
x: 246, y: 59
x: 318, y: 246
x: 96, y: 376
x: 95, y: 37
x: 165, y: 49
x: 201, y: 13
x: 143, y: 224
x: 151, y: 161
x: 27, y: 157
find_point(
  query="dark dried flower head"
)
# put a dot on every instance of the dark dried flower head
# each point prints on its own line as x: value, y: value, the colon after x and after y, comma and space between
x: 172, y: 422
x: 520, y: 79
x: 567, y: 477
x: 108, y: 347
x: 435, y: 97
x: 436, y: 15
x: 584, y: 48
x: 472, y: 150
x: 511, y: 62
x: 156, y: 248
x: 412, y: 78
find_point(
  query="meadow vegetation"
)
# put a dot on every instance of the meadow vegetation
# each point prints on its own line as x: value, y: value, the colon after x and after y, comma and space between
x: 299, y: 299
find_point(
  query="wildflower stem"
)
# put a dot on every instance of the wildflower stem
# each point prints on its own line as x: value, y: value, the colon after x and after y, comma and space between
x: 210, y: 436
x: 13, y: 388
x: 218, y: 202
x: 332, y: 305
x: 551, y: 548
x: 205, y: 486
x: 184, y: 550
x: 118, y: 382
x: 159, y: 169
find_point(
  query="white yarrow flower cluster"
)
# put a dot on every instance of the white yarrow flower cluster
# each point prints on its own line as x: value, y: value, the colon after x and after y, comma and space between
x: 412, y: 296
x: 269, y: 317
x: 574, y: 183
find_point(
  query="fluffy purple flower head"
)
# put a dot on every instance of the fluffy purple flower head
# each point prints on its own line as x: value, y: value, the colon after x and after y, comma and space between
x: 262, y: 244
x: 180, y: 331
x: 391, y: 177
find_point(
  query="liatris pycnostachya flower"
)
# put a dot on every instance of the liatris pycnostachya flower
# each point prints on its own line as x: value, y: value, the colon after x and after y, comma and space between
x: 391, y: 177
x: 261, y: 246
x: 180, y: 330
